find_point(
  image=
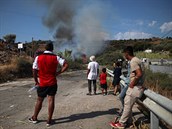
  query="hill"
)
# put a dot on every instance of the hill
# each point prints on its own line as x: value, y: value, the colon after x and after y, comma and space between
x: 113, y: 51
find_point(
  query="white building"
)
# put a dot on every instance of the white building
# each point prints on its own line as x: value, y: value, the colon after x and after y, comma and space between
x: 148, y: 51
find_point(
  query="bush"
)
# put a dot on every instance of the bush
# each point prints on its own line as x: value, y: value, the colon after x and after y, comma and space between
x: 75, y: 65
x: 108, y: 58
x: 153, y: 55
x: 24, y: 68
x: 7, y: 73
x: 18, y: 67
x: 159, y: 82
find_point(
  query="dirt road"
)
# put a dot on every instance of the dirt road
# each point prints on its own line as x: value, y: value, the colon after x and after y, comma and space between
x: 74, y: 109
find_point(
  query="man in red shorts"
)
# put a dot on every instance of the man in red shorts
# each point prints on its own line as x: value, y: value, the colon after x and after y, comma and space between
x: 45, y: 68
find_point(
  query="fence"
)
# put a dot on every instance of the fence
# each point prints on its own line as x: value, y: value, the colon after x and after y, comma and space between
x: 159, y: 106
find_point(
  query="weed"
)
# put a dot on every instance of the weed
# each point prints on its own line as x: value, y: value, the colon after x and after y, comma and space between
x: 159, y: 82
x: 18, y: 67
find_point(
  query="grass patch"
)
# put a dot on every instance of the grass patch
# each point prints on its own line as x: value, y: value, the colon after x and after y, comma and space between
x: 161, y: 83
x: 108, y: 58
x: 19, y: 67
x: 75, y: 64
x: 158, y: 55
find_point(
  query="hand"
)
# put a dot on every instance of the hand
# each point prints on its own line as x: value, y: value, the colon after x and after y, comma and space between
x: 131, y: 85
x: 58, y: 73
x: 36, y: 83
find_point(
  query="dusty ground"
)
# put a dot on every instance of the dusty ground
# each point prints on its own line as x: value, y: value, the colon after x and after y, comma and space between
x: 74, y: 109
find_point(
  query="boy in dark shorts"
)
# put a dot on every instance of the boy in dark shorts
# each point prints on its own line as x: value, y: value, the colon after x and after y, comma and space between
x: 103, y: 81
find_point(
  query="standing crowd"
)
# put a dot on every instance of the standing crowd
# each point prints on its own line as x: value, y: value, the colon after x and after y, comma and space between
x: 129, y: 94
x: 45, y: 72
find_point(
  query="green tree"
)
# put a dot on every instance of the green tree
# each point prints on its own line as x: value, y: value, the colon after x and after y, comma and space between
x: 10, y: 38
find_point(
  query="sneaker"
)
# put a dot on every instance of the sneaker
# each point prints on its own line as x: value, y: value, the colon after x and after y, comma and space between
x: 117, y: 125
x: 119, y: 114
x: 49, y: 123
x: 88, y: 93
x: 33, y: 121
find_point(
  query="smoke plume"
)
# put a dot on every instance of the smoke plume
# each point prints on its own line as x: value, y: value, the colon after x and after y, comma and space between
x: 76, y: 24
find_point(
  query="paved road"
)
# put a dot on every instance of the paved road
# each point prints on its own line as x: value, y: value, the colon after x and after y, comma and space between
x: 74, y: 109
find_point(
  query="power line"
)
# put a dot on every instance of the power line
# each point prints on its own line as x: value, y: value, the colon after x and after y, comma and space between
x: 165, y: 35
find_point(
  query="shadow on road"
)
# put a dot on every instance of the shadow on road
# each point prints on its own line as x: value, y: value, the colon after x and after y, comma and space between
x: 76, y: 117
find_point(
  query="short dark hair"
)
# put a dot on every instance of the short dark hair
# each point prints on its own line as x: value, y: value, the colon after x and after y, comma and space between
x: 104, y: 70
x: 118, y: 63
x: 129, y: 50
x: 49, y: 47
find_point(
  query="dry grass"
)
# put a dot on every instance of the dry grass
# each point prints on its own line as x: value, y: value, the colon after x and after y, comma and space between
x: 7, y: 71
x: 18, y: 67
x: 159, y: 82
x: 1, y: 46
x: 160, y: 90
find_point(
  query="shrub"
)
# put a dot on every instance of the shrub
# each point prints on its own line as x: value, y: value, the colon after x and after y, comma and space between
x: 7, y: 73
x: 75, y: 65
x: 18, y: 67
x: 24, y: 67
x: 153, y: 55
x: 159, y: 82
x: 108, y: 58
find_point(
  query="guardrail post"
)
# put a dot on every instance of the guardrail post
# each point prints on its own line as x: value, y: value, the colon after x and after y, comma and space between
x: 154, y: 121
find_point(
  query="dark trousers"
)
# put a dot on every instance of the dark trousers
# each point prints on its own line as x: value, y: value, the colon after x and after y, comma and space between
x: 94, y: 85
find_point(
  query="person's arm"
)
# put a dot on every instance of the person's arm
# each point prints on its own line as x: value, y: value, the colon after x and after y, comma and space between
x: 138, y: 73
x: 100, y: 77
x: 98, y: 72
x: 97, y: 69
x: 35, y: 70
x: 64, y: 68
x: 35, y: 76
x: 88, y: 71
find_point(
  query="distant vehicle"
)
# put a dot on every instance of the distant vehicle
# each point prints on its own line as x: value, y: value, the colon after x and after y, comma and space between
x: 148, y: 51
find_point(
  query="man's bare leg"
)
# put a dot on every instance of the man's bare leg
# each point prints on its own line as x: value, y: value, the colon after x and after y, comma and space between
x: 51, y: 106
x: 38, y: 107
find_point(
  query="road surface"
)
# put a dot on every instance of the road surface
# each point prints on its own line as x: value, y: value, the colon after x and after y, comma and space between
x: 73, y: 108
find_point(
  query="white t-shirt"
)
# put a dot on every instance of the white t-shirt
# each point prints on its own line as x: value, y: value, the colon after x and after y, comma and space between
x: 93, y: 67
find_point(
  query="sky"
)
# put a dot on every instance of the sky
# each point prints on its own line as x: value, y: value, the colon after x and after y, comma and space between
x: 124, y: 19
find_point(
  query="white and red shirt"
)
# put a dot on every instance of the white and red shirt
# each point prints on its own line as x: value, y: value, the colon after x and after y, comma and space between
x: 46, y: 64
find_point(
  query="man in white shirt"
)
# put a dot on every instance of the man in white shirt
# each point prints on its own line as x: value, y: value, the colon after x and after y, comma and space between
x: 92, y: 74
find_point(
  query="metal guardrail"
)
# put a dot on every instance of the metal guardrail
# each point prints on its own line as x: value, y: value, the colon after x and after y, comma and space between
x: 159, y: 106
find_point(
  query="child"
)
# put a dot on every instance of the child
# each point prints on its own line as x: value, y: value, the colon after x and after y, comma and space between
x: 103, y: 81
